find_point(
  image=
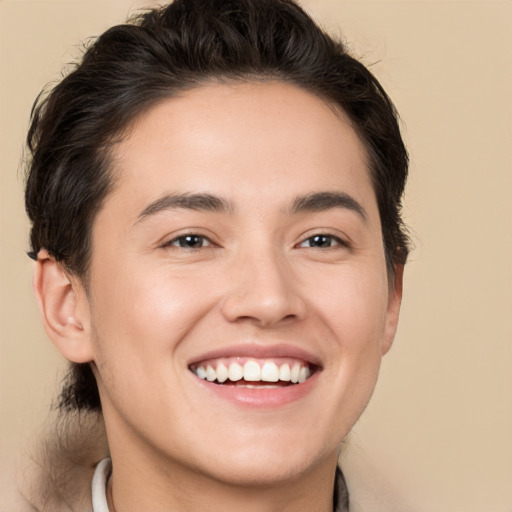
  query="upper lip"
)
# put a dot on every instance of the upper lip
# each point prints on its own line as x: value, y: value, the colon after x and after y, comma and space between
x: 259, y: 351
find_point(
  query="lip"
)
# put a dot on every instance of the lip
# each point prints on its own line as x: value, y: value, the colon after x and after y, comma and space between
x: 259, y: 351
x: 264, y: 397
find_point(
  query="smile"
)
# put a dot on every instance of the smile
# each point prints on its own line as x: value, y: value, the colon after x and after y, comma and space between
x: 254, y: 373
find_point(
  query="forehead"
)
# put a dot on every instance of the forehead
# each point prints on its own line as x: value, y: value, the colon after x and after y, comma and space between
x: 249, y: 138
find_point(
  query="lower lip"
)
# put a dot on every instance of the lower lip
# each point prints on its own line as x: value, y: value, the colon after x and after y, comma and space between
x: 264, y: 397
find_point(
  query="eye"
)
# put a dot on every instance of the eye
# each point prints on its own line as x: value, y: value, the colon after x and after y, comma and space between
x: 322, y: 241
x: 190, y: 241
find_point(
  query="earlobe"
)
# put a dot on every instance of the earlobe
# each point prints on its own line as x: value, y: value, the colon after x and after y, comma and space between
x: 64, y: 308
x: 393, y: 311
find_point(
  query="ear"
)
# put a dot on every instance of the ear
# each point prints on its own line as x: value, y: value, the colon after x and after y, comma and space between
x: 393, y: 311
x: 64, y: 307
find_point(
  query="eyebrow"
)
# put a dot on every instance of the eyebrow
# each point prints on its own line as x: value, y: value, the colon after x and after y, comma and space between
x: 314, y: 202
x: 321, y: 201
x: 199, y: 202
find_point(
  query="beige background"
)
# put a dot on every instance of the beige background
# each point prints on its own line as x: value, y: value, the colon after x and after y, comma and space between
x: 437, y: 436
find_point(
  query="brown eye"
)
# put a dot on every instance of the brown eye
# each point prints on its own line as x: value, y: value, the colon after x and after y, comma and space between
x: 322, y: 241
x: 190, y: 241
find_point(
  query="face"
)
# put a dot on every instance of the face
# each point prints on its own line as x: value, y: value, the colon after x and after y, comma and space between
x: 239, y: 301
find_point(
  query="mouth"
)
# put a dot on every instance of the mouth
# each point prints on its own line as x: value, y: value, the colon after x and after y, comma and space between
x: 254, y: 373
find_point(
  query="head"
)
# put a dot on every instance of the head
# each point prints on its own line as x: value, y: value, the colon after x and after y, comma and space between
x: 160, y: 65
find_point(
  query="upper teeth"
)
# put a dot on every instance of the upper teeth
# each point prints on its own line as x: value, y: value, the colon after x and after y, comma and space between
x: 253, y: 371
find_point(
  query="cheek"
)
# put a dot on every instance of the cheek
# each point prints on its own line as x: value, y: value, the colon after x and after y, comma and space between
x: 146, y: 314
x: 353, y: 304
x: 354, y: 313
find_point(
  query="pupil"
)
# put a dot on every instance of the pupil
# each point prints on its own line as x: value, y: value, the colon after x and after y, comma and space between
x: 192, y: 241
x: 321, y: 241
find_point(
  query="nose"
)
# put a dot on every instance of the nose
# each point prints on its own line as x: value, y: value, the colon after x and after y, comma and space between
x: 263, y: 290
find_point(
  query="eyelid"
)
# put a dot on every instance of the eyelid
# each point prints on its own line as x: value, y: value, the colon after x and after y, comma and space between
x: 170, y: 240
x: 341, y: 239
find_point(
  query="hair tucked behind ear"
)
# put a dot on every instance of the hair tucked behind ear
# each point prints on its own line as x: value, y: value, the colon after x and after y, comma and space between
x: 80, y: 391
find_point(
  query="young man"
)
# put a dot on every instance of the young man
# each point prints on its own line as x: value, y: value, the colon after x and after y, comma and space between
x: 215, y: 196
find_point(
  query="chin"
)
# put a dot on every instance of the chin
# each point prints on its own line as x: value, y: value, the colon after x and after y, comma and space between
x: 263, y: 473
x: 271, y: 463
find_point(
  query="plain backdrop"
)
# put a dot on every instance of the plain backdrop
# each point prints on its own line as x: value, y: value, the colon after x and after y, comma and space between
x: 437, y: 436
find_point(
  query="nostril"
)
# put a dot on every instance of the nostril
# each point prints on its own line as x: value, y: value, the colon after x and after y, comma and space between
x: 263, y: 310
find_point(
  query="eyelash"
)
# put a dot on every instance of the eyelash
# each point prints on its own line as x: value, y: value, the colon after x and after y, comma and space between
x: 175, y: 242
x: 334, y: 240
x: 338, y: 242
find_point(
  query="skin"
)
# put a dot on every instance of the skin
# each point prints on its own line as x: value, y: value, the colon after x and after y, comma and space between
x: 255, y: 278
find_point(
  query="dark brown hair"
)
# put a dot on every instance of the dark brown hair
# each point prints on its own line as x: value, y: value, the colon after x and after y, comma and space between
x: 159, y: 54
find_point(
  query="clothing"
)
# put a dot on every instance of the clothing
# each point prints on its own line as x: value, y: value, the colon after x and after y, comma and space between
x: 99, y: 485
x: 104, y: 469
x: 340, y: 498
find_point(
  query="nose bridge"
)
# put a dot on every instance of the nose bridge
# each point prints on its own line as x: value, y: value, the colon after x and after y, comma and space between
x: 262, y: 287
